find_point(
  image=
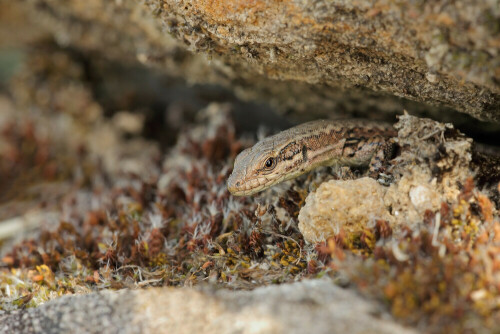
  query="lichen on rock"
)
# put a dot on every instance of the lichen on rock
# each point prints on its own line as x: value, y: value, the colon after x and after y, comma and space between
x: 434, y: 163
x: 351, y: 205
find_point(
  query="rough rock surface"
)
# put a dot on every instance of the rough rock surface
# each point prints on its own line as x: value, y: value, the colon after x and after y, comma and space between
x: 351, y: 204
x: 301, y: 53
x: 288, y: 308
x: 434, y: 164
x: 419, y: 51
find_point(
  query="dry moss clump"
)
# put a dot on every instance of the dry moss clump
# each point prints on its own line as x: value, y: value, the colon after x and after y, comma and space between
x: 174, y: 224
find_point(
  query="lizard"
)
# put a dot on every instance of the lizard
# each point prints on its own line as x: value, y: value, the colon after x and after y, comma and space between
x: 300, y: 149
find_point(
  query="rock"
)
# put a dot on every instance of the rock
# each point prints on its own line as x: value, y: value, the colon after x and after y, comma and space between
x: 316, y: 306
x: 435, y: 162
x: 350, y: 205
x: 386, y: 47
x: 415, y: 192
x: 344, y: 56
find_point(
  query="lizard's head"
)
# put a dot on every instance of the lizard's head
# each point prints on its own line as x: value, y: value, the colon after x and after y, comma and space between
x: 265, y: 164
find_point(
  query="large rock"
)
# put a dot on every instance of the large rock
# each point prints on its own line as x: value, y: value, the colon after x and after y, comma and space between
x: 308, y: 307
x: 301, y: 53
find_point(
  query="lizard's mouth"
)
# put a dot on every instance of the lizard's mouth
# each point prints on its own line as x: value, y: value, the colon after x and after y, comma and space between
x: 244, y: 192
x: 240, y: 187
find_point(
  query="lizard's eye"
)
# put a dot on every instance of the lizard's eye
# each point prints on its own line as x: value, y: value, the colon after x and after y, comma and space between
x: 270, y: 163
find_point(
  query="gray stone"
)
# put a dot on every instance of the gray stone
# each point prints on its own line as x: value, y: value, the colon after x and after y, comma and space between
x: 311, y: 306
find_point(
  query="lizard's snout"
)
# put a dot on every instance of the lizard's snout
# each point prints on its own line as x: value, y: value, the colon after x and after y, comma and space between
x: 234, y: 183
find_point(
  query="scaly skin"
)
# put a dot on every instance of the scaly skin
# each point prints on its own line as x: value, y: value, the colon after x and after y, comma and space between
x: 300, y: 149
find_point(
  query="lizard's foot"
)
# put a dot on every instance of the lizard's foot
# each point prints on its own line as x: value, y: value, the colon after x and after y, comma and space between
x: 381, y: 160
